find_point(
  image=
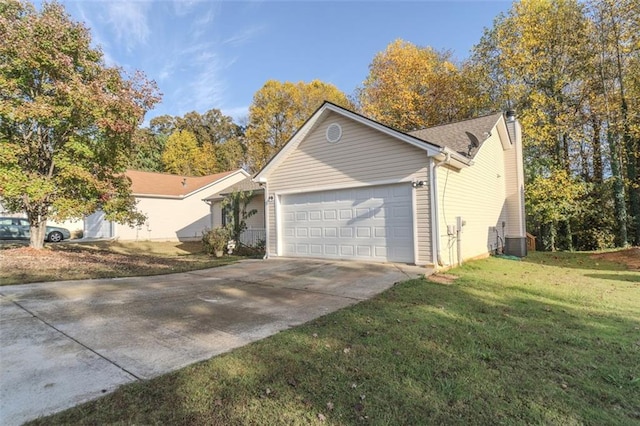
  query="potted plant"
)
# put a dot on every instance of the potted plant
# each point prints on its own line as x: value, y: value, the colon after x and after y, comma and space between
x: 215, y: 241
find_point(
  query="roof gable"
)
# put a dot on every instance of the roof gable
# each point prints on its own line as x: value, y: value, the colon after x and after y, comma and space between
x: 172, y: 186
x: 316, y: 117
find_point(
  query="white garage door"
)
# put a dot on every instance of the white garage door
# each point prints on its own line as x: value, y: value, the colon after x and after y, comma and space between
x: 373, y: 223
x: 97, y: 226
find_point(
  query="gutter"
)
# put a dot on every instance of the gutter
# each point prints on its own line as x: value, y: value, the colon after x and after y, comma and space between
x: 452, y: 158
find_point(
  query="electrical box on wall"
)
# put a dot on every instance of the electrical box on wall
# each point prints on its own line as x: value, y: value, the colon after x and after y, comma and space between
x: 451, y: 230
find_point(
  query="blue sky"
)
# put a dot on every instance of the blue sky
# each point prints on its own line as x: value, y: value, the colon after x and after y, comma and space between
x: 217, y: 54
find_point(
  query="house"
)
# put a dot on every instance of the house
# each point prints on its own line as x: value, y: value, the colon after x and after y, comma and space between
x: 255, y: 234
x: 347, y: 187
x: 173, y: 205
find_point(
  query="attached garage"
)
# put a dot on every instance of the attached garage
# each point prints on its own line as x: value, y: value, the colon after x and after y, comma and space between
x: 348, y: 187
x: 368, y: 223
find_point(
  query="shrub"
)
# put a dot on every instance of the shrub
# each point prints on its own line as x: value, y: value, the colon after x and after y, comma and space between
x: 215, y: 240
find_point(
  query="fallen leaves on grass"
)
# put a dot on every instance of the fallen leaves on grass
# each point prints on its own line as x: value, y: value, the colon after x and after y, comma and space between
x: 25, y: 264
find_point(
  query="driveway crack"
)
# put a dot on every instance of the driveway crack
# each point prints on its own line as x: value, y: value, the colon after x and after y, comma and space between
x: 48, y: 324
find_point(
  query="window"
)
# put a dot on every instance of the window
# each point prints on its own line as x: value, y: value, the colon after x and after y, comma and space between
x: 224, y: 215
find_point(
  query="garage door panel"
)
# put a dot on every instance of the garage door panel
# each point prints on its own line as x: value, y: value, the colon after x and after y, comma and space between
x: 315, y: 215
x: 346, y: 214
x: 331, y: 249
x: 364, y: 251
x: 346, y: 232
x: 346, y: 250
x: 374, y: 223
x: 363, y: 232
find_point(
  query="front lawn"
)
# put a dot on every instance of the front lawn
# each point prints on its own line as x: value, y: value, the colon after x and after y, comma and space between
x: 554, y: 339
x: 107, y: 259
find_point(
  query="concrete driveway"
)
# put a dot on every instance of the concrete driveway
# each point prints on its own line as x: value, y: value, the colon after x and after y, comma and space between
x: 68, y: 342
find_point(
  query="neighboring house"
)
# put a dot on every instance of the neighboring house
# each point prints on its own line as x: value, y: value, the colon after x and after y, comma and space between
x: 348, y: 187
x: 255, y: 232
x: 173, y: 205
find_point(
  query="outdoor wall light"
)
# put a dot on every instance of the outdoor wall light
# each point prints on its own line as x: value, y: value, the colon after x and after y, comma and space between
x: 419, y: 183
x: 270, y: 199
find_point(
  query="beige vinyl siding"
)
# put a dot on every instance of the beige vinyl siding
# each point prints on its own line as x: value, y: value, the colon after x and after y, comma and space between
x: 477, y: 195
x: 272, y: 245
x: 422, y: 211
x: 515, y: 187
x: 216, y: 214
x: 257, y: 220
x: 362, y: 157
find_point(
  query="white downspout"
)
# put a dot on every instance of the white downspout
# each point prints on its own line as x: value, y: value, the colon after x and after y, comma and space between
x: 435, y: 222
x: 266, y: 221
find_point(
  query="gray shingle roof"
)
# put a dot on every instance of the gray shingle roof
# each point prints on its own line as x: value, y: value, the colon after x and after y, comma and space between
x: 464, y: 137
x: 244, y: 185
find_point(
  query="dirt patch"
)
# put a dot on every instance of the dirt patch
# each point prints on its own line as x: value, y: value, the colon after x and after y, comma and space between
x: 629, y: 257
x: 445, y: 279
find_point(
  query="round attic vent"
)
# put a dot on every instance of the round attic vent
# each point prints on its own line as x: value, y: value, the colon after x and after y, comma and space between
x: 334, y: 132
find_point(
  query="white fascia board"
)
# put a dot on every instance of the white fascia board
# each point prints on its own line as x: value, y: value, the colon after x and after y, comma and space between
x: 229, y: 176
x: 242, y: 171
x: 503, y: 133
x: 168, y: 197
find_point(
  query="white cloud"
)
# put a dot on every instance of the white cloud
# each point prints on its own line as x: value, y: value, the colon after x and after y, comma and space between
x: 183, y: 7
x: 129, y: 22
x: 243, y: 37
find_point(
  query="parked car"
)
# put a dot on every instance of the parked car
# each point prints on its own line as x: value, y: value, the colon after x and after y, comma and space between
x: 15, y: 228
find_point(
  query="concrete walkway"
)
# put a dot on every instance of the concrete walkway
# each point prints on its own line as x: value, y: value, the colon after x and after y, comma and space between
x: 65, y: 343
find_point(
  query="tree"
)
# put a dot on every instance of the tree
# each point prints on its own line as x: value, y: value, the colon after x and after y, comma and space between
x: 278, y: 110
x: 411, y: 87
x: 218, y: 138
x: 182, y: 156
x: 616, y: 63
x: 537, y: 58
x: 235, y: 207
x: 147, y: 151
x: 552, y: 200
x: 66, y: 120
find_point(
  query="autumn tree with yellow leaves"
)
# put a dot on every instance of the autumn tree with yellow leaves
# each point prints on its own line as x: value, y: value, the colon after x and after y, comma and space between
x: 411, y: 87
x: 570, y: 69
x: 278, y: 110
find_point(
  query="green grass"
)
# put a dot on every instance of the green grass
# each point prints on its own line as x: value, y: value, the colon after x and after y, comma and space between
x: 554, y: 339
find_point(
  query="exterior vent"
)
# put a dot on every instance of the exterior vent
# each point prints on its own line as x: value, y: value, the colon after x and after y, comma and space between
x: 334, y: 132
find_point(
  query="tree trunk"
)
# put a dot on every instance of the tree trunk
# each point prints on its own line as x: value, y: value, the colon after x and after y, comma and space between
x: 38, y: 230
x: 597, y: 151
x: 618, y: 191
x: 634, y: 188
x: 568, y: 236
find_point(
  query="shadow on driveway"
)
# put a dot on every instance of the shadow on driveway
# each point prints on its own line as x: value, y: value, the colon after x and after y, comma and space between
x: 68, y: 342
